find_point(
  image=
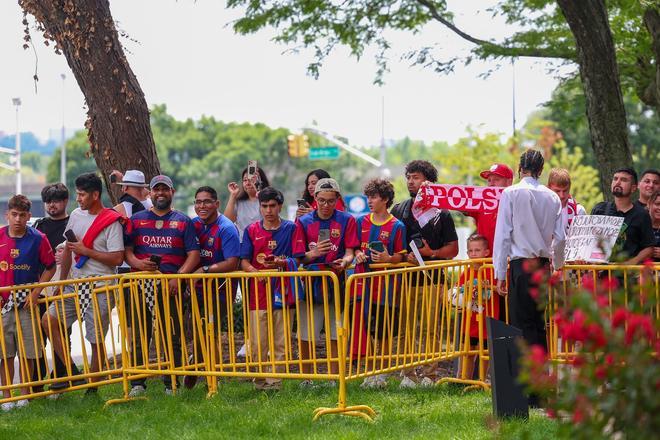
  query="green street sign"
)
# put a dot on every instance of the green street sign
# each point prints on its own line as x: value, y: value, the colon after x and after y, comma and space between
x: 330, y: 152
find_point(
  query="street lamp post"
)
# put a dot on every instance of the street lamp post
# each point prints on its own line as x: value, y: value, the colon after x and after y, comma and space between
x: 62, y: 149
x: 19, y: 181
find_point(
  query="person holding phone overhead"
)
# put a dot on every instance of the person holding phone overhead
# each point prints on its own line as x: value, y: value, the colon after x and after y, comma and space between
x: 243, y: 205
x: 169, y: 234
x: 307, y: 203
x: 325, y: 239
x: 382, y: 240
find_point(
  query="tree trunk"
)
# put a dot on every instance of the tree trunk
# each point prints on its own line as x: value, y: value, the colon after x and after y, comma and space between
x: 652, y: 22
x: 588, y: 22
x: 119, y: 130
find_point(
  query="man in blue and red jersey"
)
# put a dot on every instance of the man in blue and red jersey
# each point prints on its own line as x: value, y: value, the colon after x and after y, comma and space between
x: 219, y: 253
x: 23, y: 252
x: 379, y: 296
x: 97, y: 248
x: 267, y: 245
x: 325, y: 239
x: 169, y: 234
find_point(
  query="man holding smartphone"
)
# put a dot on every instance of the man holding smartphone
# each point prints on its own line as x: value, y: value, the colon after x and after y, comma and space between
x: 95, y: 247
x: 169, y: 234
x: 325, y: 239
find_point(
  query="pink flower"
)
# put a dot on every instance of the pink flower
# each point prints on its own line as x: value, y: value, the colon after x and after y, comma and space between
x: 596, y: 335
x: 600, y: 372
x: 619, y: 317
x: 538, y: 355
x: 588, y: 283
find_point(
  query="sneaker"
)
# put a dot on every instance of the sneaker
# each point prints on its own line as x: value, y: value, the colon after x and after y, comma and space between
x: 366, y: 383
x: 91, y: 392
x: 169, y: 391
x: 137, y: 390
x: 8, y: 406
x: 189, y: 382
x: 22, y: 403
x: 58, y: 386
x: 407, y: 383
x: 53, y: 396
x: 306, y: 384
x: 426, y: 382
x: 379, y: 382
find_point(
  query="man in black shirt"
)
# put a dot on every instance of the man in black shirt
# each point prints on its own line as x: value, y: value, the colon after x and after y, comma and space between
x: 636, y: 237
x: 440, y: 242
x: 55, y: 198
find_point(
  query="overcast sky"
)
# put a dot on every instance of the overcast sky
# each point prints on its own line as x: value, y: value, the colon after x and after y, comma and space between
x: 187, y: 57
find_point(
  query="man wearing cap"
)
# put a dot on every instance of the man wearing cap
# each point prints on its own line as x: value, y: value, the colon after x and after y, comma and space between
x: 499, y: 175
x: 169, y: 234
x: 325, y: 239
x: 135, y: 197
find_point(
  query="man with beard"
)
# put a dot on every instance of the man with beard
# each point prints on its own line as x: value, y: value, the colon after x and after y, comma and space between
x: 170, y: 235
x: 55, y: 198
x: 99, y: 248
x: 636, y: 236
x: 219, y: 253
x: 440, y: 242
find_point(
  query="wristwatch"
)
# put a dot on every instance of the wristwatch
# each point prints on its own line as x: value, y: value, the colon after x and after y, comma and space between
x: 205, y: 269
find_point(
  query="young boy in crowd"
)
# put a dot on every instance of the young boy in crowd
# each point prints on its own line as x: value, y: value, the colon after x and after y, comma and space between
x: 382, y: 240
x: 466, y: 294
x: 267, y: 245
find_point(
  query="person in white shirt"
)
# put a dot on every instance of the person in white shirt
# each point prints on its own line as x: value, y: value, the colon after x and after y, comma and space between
x: 559, y: 181
x: 530, y: 232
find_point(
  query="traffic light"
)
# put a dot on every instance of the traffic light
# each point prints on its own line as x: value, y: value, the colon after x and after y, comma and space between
x: 298, y: 145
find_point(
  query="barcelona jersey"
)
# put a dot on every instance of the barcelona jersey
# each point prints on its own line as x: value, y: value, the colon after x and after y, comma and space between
x: 21, y: 258
x: 171, y: 236
x: 392, y: 233
x: 259, y: 243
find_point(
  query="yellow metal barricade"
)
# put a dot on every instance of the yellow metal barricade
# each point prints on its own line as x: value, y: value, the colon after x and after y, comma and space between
x: 67, y: 341
x: 190, y: 325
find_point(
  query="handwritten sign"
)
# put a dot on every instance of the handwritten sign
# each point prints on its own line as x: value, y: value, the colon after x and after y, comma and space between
x: 592, y: 237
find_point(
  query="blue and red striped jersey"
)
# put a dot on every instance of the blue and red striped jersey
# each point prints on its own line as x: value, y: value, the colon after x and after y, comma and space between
x: 21, y: 258
x: 392, y: 233
x: 217, y: 241
x: 343, y: 235
x: 258, y: 243
x: 171, y: 236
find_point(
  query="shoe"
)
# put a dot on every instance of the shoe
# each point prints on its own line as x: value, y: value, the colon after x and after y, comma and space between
x: 137, y: 390
x: 22, y: 403
x: 426, y: 382
x: 189, y: 382
x: 8, y: 406
x: 374, y: 382
x: 169, y: 391
x: 58, y: 386
x: 366, y: 383
x: 306, y: 384
x: 407, y: 383
x: 53, y: 396
x: 91, y: 392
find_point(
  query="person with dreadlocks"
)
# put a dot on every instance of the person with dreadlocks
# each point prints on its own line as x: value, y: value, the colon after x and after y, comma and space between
x: 529, y: 231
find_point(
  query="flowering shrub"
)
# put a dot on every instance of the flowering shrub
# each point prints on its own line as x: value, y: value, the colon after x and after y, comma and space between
x: 611, y: 386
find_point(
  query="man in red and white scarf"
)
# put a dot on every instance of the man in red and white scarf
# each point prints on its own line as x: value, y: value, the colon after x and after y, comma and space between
x: 559, y: 181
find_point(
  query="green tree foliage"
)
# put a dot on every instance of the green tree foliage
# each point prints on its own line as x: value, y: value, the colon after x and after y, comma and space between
x: 566, y: 110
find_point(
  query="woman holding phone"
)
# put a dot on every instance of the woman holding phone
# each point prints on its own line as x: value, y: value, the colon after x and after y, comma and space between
x: 243, y: 205
x: 307, y: 203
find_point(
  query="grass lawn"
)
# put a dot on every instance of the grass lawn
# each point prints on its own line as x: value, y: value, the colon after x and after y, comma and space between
x: 238, y: 411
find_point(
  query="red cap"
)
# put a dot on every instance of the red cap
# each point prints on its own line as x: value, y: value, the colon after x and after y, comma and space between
x: 499, y: 169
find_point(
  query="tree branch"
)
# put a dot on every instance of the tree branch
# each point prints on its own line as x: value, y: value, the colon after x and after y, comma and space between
x: 499, y: 49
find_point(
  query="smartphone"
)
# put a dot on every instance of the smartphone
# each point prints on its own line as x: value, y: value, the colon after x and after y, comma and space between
x: 156, y: 259
x: 302, y: 203
x: 70, y: 236
x: 113, y: 178
x: 418, y: 242
x: 377, y: 246
x: 324, y: 234
x: 252, y: 168
x: 269, y: 258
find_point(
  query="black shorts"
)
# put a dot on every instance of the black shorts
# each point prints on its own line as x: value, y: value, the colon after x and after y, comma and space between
x: 381, y: 320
